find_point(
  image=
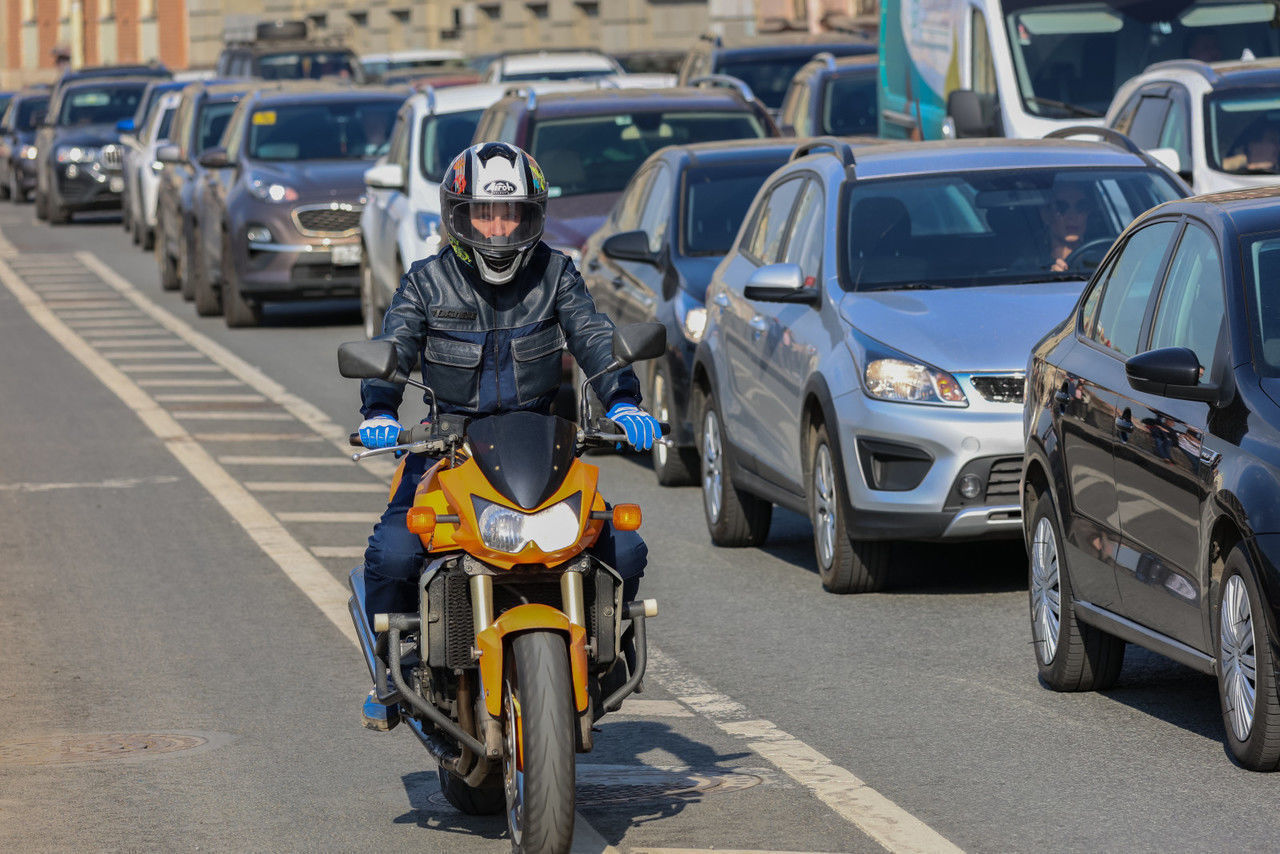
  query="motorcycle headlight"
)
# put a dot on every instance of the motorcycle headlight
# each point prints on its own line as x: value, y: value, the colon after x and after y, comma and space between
x: 509, y: 531
x: 911, y: 382
x: 428, y: 225
x: 270, y: 191
x: 75, y: 154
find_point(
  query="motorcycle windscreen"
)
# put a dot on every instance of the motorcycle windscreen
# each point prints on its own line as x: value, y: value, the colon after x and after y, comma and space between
x: 523, y: 455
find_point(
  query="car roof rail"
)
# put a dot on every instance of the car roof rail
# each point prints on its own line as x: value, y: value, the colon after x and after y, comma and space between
x: 727, y: 81
x: 529, y: 93
x: 429, y: 93
x: 1198, y: 66
x: 714, y: 38
x: 831, y: 145
x: 828, y: 57
x: 1108, y: 135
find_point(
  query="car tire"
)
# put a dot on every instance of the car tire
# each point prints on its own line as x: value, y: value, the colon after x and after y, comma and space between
x: 1071, y: 655
x: 371, y: 308
x: 186, y: 278
x: 734, y: 518
x: 147, y: 238
x: 6, y: 189
x: 126, y: 214
x: 672, y: 465
x: 239, y: 312
x: 206, y: 294
x: 168, y: 269
x: 844, y: 565
x: 58, y: 214
x: 1248, y: 694
x: 17, y: 195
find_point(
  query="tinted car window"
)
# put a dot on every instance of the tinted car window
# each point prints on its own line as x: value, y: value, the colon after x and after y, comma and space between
x: 100, y: 105
x: 657, y: 208
x: 443, y: 137
x: 770, y: 225
x: 212, y: 123
x: 599, y: 154
x: 1263, y: 270
x: 767, y: 77
x: 166, y: 123
x: 627, y: 212
x: 990, y: 227
x: 715, y: 202
x: 27, y: 109
x: 1148, y: 121
x: 4, y: 102
x: 328, y: 130
x: 849, y: 105
x: 1191, y: 304
x: 1244, y: 131
x: 305, y: 65
x: 1128, y: 288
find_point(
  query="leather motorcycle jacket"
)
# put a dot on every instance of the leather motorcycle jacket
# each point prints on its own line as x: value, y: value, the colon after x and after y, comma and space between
x: 487, y: 349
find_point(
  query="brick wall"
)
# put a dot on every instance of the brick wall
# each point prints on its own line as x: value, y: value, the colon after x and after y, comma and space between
x: 46, y: 31
x: 171, y: 25
x: 13, y: 33
x: 92, y: 53
x: 127, y: 31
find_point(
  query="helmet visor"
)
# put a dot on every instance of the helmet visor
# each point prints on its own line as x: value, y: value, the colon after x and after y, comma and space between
x: 495, y: 224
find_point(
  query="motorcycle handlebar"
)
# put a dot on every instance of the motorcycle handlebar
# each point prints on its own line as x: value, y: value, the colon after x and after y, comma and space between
x: 603, y: 431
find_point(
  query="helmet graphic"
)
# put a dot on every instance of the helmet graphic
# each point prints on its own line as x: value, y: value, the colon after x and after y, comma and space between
x: 493, y: 202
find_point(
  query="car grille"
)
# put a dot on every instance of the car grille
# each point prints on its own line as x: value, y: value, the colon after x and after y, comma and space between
x: 111, y: 157
x: 1002, y: 483
x: 1005, y: 388
x: 332, y: 220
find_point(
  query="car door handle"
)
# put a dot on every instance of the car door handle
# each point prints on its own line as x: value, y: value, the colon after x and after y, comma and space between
x: 759, y: 324
x: 722, y: 299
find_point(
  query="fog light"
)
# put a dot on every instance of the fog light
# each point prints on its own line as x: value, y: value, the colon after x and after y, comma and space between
x: 258, y: 234
x: 72, y: 171
x: 970, y: 486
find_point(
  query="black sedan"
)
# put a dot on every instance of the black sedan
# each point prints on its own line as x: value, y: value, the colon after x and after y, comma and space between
x: 17, y: 143
x: 1151, y: 482
x: 653, y: 258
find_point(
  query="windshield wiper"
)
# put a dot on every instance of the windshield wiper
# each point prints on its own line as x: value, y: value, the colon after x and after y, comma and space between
x: 907, y: 286
x: 1063, y: 105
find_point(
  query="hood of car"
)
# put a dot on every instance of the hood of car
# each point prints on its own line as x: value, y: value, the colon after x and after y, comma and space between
x: 323, y: 178
x: 571, y: 221
x: 963, y: 330
x: 86, y: 135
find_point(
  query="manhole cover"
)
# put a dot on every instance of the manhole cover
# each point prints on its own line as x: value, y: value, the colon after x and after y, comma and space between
x: 609, y: 784
x: 108, y: 746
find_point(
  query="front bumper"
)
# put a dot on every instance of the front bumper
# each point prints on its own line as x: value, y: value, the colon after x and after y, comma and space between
x: 86, y: 187
x: 905, y: 465
x: 301, y: 270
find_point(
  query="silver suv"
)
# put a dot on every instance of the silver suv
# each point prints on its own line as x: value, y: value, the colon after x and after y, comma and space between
x: 868, y: 333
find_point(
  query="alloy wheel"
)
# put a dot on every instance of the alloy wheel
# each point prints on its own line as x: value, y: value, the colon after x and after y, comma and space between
x: 824, y: 505
x: 1237, y: 656
x: 712, y: 465
x: 513, y: 764
x: 1046, y: 591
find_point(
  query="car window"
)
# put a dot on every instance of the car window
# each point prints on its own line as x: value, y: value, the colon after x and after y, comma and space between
x: 1262, y: 268
x: 1175, y: 133
x: 1128, y: 288
x: 165, y: 124
x: 6, y: 122
x: 626, y: 216
x: 100, y: 105
x: 306, y: 65
x: 181, y: 127
x: 770, y: 226
x: 809, y: 226
x: 212, y: 124
x: 235, y: 131
x: 1192, y: 305
x: 791, y: 104
x: 27, y: 110
x: 399, y: 139
x: 1148, y: 121
x: 657, y: 208
x: 443, y: 138
x: 717, y: 197
x: 849, y: 105
x: 322, y: 130
x: 1243, y: 134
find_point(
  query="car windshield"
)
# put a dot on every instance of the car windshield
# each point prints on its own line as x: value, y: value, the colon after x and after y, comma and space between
x: 559, y: 74
x: 27, y: 109
x: 322, y: 130
x: 1262, y: 268
x: 769, y: 76
x: 991, y: 227
x: 716, y: 199
x: 212, y: 122
x: 100, y: 105
x: 379, y: 67
x: 443, y: 136
x: 1070, y: 58
x: 599, y: 154
x: 1244, y: 131
x: 849, y: 105
x: 305, y: 65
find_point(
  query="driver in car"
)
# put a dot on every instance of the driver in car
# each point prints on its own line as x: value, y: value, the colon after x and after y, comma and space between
x: 488, y: 316
x: 1066, y: 219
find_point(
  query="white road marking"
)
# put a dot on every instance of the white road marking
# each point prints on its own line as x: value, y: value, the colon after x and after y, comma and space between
x: 56, y: 298
x: 187, y: 382
x: 652, y: 708
x: 158, y: 369
x: 356, y: 552
x: 68, y: 305
x: 282, y: 461
x: 329, y: 517
x: 115, y: 483
x: 234, y: 415
x: 95, y: 334
x: 259, y: 437
x: 312, y: 486
x: 847, y: 795
x: 210, y: 398
x: 710, y: 851
x: 150, y: 354
x: 87, y: 319
x: 133, y: 342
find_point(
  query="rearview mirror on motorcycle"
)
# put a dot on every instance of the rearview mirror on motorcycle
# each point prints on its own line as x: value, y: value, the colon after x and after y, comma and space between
x: 636, y: 342
x: 368, y: 360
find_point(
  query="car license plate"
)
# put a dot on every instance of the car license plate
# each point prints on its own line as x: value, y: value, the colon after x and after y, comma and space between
x: 117, y: 185
x: 345, y: 256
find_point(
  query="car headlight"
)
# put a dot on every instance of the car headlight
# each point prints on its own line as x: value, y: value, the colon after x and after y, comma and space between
x: 28, y: 152
x: 428, y: 225
x: 509, y: 531
x: 157, y: 166
x: 271, y: 191
x: 692, y: 315
x: 75, y: 154
x: 911, y: 382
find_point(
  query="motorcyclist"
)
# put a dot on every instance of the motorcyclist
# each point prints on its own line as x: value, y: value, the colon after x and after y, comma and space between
x: 488, y: 316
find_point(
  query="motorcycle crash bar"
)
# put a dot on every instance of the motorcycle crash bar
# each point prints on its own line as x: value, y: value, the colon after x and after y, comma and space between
x: 637, y: 612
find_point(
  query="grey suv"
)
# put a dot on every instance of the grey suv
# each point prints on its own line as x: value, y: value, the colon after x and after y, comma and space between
x: 867, y: 335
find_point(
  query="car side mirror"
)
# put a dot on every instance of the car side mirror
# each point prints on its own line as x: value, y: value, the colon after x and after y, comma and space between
x: 636, y: 342
x: 965, y: 111
x: 1169, y: 158
x: 169, y: 154
x: 385, y: 176
x: 779, y: 283
x: 629, y: 246
x: 212, y: 158
x: 125, y: 126
x: 368, y: 360
x: 1170, y: 372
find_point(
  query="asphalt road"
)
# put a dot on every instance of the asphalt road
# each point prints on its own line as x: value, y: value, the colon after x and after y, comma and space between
x: 165, y: 685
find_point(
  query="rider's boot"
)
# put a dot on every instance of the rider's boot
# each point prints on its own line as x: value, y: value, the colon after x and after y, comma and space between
x: 379, y: 717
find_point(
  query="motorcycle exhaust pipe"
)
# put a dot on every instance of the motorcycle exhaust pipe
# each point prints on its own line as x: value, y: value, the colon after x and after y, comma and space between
x: 636, y: 611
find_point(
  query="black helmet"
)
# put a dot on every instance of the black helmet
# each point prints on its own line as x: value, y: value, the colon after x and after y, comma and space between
x: 493, y: 204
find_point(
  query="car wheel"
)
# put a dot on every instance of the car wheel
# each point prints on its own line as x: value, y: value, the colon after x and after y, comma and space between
x: 208, y: 298
x: 1071, y: 655
x: 844, y: 565
x: 238, y: 311
x: 168, y: 270
x: 57, y: 213
x: 16, y: 194
x: 734, y: 517
x: 371, y: 308
x: 126, y: 215
x: 42, y: 212
x: 673, y: 466
x: 186, y: 268
x: 1247, y: 678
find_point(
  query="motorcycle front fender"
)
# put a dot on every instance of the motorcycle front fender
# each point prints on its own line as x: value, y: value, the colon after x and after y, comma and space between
x: 526, y: 618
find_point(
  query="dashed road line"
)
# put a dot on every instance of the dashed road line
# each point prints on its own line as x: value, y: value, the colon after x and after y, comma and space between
x: 248, y: 460
x: 158, y: 369
x: 210, y: 398
x: 259, y: 437
x: 114, y: 483
x: 187, y: 382
x: 233, y: 416
x: 151, y: 354
x: 312, y: 486
x: 329, y: 516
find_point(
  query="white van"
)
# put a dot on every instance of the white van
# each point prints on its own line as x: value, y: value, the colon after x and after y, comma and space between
x: 1023, y: 68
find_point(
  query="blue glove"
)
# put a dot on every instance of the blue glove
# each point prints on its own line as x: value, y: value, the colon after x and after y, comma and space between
x: 641, y: 427
x: 380, y: 431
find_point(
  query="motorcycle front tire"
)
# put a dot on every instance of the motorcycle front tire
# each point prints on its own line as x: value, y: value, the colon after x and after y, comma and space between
x: 471, y: 800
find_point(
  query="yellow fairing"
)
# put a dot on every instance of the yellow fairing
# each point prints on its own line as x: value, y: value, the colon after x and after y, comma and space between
x: 449, y: 491
x: 524, y: 618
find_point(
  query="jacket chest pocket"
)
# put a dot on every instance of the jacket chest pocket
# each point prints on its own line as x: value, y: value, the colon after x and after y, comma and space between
x: 537, y: 363
x: 452, y: 369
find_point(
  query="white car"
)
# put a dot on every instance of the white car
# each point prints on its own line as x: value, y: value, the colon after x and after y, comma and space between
x: 551, y: 65
x: 142, y: 170
x: 1216, y: 124
x: 376, y: 65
